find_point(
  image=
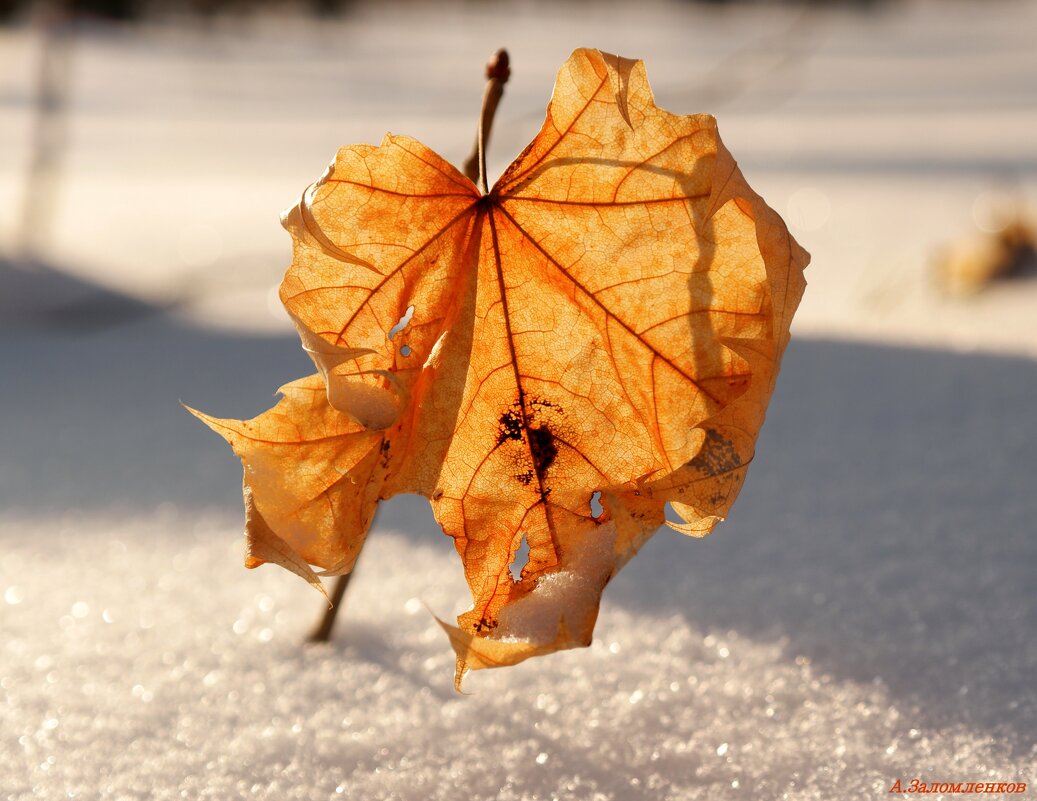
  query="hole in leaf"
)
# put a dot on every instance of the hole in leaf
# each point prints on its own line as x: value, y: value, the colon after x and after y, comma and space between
x: 405, y: 350
x: 596, y: 507
x: 521, y: 559
x: 402, y: 322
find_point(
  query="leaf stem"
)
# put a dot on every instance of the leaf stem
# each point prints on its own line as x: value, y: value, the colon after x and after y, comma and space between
x: 322, y: 633
x: 497, y: 74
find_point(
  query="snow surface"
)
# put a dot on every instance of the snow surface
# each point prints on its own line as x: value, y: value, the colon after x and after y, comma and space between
x: 868, y: 612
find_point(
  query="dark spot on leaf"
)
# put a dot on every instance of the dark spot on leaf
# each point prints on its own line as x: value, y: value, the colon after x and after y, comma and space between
x: 717, y: 455
x: 510, y: 426
x: 533, y: 423
x: 543, y: 449
x: 541, y: 404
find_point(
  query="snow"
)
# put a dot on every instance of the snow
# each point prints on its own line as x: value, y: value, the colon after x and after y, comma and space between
x: 571, y: 594
x: 868, y: 611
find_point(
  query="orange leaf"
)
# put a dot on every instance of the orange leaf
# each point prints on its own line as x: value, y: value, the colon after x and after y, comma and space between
x: 608, y: 319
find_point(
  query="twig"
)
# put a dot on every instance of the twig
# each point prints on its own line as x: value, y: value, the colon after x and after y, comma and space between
x: 497, y: 74
x: 322, y: 633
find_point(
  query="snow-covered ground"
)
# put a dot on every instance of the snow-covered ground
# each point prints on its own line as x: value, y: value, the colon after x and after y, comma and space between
x: 869, y: 611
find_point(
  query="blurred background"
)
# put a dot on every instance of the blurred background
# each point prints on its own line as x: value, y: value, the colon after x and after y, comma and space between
x: 147, y: 146
x: 873, y: 590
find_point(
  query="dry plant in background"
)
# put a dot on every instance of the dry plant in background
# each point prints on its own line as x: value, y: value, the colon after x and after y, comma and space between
x: 1002, y: 246
x: 553, y: 359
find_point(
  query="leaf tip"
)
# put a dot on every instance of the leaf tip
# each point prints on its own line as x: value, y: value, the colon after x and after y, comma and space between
x: 209, y: 420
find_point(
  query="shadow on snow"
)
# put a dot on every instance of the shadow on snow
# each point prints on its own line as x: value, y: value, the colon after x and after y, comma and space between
x: 885, y: 531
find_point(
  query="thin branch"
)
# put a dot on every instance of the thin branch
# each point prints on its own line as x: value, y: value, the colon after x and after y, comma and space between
x: 322, y: 633
x: 497, y: 74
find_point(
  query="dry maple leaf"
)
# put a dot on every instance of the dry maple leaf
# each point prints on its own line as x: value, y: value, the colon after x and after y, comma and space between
x: 608, y: 319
